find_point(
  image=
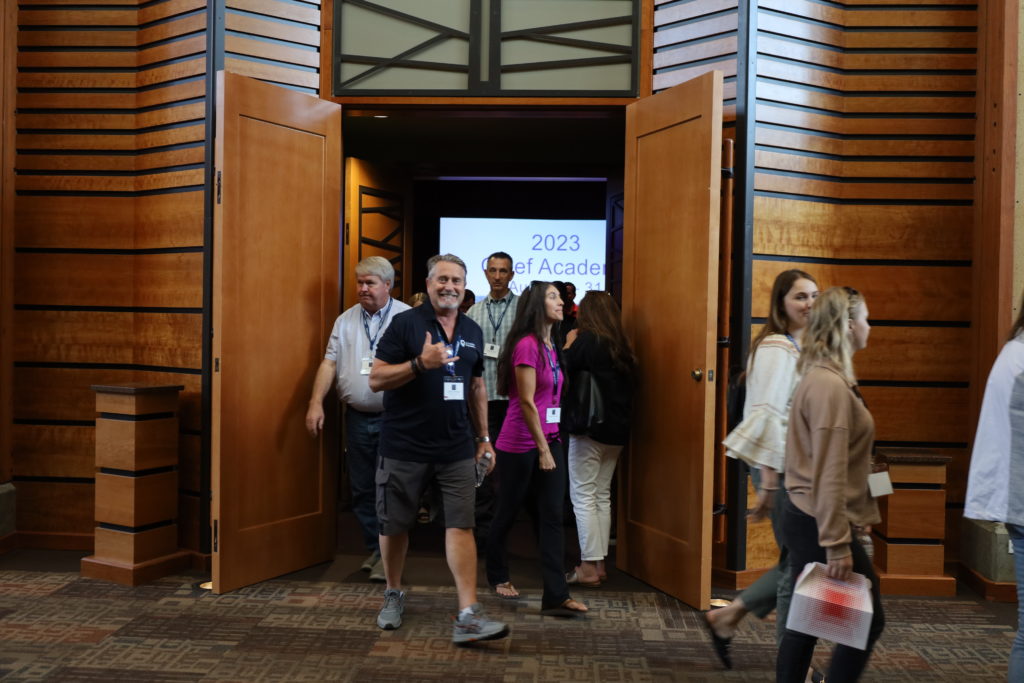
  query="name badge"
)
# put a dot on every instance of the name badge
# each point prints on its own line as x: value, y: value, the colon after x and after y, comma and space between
x: 554, y: 415
x: 365, y: 365
x: 491, y: 350
x: 880, y: 484
x: 453, y: 389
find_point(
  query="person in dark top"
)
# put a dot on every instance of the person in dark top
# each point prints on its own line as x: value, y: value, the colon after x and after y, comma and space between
x: 599, y: 347
x: 429, y: 363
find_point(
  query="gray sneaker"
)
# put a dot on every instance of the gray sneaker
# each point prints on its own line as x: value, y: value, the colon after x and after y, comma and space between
x: 390, y: 616
x: 368, y: 563
x: 475, y: 626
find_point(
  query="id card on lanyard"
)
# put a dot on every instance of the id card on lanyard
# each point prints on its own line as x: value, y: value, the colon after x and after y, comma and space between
x: 493, y: 350
x: 454, y: 388
x: 366, y: 362
x: 554, y: 412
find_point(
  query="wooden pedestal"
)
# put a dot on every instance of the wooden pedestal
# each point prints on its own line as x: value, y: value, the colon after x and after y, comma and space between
x: 136, y: 538
x: 909, y: 551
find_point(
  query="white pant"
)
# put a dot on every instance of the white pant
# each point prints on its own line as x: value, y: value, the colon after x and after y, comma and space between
x: 591, y: 466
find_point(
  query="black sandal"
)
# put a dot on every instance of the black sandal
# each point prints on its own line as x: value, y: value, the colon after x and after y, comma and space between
x: 720, y: 644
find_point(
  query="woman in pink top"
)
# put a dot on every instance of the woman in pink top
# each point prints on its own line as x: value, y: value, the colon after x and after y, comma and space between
x: 532, y: 460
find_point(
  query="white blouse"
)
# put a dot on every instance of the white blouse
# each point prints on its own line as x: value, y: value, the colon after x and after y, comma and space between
x: 760, y: 439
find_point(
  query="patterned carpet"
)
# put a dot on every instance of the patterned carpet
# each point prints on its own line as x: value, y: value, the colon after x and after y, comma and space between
x: 56, y: 626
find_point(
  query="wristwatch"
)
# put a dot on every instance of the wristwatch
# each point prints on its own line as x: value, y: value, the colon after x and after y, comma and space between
x: 483, y: 439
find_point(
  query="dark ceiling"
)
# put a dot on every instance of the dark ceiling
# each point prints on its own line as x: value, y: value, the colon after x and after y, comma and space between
x: 496, y: 143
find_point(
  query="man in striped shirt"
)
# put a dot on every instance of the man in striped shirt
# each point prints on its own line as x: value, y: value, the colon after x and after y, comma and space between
x: 494, y: 315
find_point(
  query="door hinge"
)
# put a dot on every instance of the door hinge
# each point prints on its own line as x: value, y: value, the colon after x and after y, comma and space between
x: 728, y: 173
x: 346, y: 233
x: 218, y: 187
x: 215, y: 533
x: 216, y: 364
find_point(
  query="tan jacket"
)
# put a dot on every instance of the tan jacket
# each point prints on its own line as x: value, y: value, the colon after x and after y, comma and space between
x: 828, y: 457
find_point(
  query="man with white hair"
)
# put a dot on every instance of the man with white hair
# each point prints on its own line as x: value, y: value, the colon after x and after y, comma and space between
x: 349, y: 358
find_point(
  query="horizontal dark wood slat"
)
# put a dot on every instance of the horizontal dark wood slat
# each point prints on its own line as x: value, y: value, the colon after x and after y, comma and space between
x: 110, y: 162
x: 667, y: 79
x: 58, y: 508
x: 769, y: 23
x: 861, y: 231
x: 268, y: 50
x: 893, y: 292
x: 797, y: 118
x: 94, y: 100
x: 696, y: 30
x: 897, y: 168
x: 857, y: 61
x: 53, y: 451
x: 691, y: 10
x: 770, y: 91
x: 912, y: 82
x: 156, y: 339
x: 712, y: 49
x: 271, y: 29
x: 66, y: 394
x: 792, y: 139
x: 874, y: 18
x: 275, y: 74
x: 282, y: 10
x: 921, y: 414
x: 149, y: 222
x: 144, y: 280
x: 867, y: 191
x: 99, y: 183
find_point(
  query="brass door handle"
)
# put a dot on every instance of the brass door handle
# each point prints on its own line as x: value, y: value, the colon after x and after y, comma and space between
x: 696, y: 374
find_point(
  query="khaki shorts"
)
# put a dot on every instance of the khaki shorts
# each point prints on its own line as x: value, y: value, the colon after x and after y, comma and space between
x: 400, y: 485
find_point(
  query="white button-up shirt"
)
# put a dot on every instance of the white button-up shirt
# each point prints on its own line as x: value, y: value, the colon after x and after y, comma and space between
x: 354, y: 337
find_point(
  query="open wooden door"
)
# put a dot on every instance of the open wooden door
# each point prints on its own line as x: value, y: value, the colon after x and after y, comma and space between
x: 378, y: 222
x: 275, y: 298
x: 670, y: 308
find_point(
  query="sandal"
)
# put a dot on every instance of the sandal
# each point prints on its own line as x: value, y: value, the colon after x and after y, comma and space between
x: 573, y: 579
x: 510, y: 591
x: 568, y: 609
x: 720, y: 644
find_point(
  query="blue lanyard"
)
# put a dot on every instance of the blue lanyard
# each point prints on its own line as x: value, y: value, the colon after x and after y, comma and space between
x: 507, y: 302
x: 450, y: 367
x: 367, y: 317
x: 793, y: 341
x: 552, y: 357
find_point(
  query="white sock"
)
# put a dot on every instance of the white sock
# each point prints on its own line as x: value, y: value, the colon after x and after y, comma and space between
x: 465, y: 611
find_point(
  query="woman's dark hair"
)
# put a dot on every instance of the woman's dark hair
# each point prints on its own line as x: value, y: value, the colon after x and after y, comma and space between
x: 600, y: 315
x: 531, y: 318
x: 1018, y: 324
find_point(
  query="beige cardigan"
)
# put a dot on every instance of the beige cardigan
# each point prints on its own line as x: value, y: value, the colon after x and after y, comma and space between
x: 828, y: 457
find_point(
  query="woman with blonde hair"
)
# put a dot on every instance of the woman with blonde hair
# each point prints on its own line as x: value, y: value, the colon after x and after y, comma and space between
x: 760, y: 441
x: 828, y: 460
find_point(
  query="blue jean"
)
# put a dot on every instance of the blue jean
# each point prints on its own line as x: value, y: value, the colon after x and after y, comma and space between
x: 1016, y: 672
x: 362, y: 438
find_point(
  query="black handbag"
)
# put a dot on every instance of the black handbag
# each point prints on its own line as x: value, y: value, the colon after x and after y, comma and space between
x: 588, y: 403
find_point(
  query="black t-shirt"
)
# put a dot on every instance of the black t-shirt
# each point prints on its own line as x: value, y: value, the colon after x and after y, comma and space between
x: 590, y: 353
x: 418, y: 424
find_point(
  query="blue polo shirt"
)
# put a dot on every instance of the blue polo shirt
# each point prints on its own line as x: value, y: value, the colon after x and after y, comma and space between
x: 418, y: 424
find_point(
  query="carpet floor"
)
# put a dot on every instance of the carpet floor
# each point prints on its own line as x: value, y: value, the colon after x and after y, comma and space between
x: 320, y: 625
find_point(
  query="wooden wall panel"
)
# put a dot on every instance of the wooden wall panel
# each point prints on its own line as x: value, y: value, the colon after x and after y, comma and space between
x: 865, y: 165
x: 278, y: 42
x: 693, y: 38
x: 108, y: 234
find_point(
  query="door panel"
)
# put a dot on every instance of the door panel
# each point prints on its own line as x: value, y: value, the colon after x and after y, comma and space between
x: 276, y: 261
x: 670, y: 308
x: 377, y: 223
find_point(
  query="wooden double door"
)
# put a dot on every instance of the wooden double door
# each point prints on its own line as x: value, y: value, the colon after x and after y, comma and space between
x: 277, y: 291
